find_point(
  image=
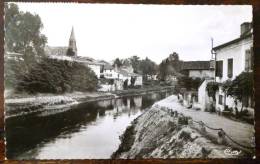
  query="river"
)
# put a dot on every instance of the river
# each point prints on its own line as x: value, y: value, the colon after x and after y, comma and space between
x: 88, y: 131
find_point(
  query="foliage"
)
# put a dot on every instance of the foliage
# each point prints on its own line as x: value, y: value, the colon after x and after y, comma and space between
x: 14, y: 69
x: 117, y: 62
x: 125, y: 84
x: 70, y: 52
x: 22, y: 33
x: 242, y: 86
x: 226, y: 85
x: 133, y: 79
x: 189, y: 83
x: 145, y: 66
x: 169, y: 66
x: 135, y: 61
x: 57, y: 76
x: 148, y: 67
x: 212, y: 88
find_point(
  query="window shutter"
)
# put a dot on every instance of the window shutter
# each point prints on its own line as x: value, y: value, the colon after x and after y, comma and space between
x: 252, y: 58
x: 247, y: 62
x: 219, y: 68
x: 216, y: 71
x: 220, y: 99
x: 230, y: 68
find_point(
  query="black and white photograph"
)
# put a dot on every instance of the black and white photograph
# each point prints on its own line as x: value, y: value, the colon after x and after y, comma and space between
x: 128, y: 81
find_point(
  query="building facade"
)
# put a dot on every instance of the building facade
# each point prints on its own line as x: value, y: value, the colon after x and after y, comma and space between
x: 233, y: 58
x: 198, y: 69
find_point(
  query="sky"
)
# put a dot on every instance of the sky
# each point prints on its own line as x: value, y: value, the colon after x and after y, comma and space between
x: 108, y: 31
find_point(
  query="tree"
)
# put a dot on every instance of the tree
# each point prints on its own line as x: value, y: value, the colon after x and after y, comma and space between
x: 225, y: 87
x: 133, y: 79
x: 170, y: 66
x: 135, y: 61
x: 23, y: 33
x: 148, y: 67
x: 125, y: 85
x: 57, y: 76
x: 241, y: 88
x: 189, y: 83
x: 70, y: 52
x: 14, y: 68
x: 212, y: 88
x: 117, y: 62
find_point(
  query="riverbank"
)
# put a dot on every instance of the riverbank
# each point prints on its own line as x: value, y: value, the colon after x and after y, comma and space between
x: 158, y: 133
x: 144, y: 90
x: 22, y: 103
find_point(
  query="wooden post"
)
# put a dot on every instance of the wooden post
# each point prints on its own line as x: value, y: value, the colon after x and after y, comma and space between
x: 202, y: 127
x: 221, y: 137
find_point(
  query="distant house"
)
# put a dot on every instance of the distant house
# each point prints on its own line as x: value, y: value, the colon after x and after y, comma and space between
x: 120, y: 76
x: 232, y: 58
x: 197, y: 69
x: 94, y: 65
x: 108, y: 71
x: 125, y: 74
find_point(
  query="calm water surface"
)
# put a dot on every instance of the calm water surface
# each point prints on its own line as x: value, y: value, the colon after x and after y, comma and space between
x: 89, y: 130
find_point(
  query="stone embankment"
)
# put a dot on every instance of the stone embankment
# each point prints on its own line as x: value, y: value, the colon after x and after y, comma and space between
x: 161, y: 133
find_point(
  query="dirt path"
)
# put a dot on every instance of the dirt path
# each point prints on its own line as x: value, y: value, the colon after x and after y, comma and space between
x: 241, y: 132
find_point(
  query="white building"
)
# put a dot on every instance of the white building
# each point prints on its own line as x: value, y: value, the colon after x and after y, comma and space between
x: 198, y: 69
x: 119, y: 76
x: 204, y: 100
x: 232, y: 58
x: 126, y: 73
x: 108, y: 72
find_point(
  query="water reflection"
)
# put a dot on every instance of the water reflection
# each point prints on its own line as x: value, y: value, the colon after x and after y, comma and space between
x: 89, y: 130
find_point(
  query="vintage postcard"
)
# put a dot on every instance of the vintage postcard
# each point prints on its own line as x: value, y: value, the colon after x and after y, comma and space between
x: 128, y: 81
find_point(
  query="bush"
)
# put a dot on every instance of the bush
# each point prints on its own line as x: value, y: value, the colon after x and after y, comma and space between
x: 13, y: 70
x: 212, y: 88
x: 189, y: 83
x: 242, y: 88
x: 57, y: 76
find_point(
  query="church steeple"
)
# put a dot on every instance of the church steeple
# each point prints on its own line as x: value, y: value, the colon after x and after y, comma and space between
x: 72, y: 43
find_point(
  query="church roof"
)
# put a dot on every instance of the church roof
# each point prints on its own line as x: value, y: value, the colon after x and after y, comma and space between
x: 72, y: 35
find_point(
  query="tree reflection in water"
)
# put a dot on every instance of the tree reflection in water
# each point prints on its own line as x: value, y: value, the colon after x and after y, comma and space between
x: 27, y: 135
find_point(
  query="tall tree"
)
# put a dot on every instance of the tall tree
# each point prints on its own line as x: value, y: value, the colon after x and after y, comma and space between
x: 23, y: 33
x: 170, y: 66
x: 135, y: 61
x: 117, y: 62
x: 242, y: 88
x: 148, y: 67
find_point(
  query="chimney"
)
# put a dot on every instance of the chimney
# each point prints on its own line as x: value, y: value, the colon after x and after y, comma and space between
x: 245, y: 28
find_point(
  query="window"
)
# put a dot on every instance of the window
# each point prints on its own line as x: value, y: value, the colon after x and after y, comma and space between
x: 220, y: 100
x: 249, y: 60
x: 219, y: 68
x: 230, y: 68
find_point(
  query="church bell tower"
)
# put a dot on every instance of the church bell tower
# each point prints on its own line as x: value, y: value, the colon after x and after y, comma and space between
x: 72, y: 43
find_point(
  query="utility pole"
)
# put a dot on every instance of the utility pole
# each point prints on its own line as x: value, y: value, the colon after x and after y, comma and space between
x: 213, y: 57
